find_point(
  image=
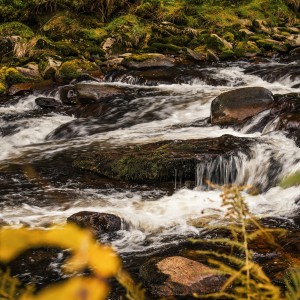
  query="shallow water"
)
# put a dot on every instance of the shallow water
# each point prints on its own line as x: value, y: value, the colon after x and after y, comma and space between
x: 32, y: 195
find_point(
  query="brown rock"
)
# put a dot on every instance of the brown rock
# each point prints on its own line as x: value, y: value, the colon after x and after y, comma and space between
x: 288, y: 121
x: 198, y: 56
x: 29, y: 87
x: 235, y: 106
x: 179, y: 276
x: 150, y: 60
x: 89, y: 92
x: 261, y: 26
x: 98, y: 223
x: 294, y: 40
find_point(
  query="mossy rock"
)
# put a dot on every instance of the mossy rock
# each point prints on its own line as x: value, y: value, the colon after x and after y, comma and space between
x: 247, y: 49
x: 130, y: 32
x: 3, y: 88
x: 73, y: 69
x: 167, y: 48
x: 67, y: 48
x: 269, y: 44
x: 16, y: 29
x: 63, y: 25
x: 10, y: 76
x: 214, y: 42
x: 161, y: 161
x: 94, y: 34
x: 227, y: 54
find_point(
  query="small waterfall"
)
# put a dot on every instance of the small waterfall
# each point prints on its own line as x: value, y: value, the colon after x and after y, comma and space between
x: 219, y: 170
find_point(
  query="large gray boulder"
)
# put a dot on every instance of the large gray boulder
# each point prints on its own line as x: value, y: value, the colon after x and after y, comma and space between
x: 235, y: 106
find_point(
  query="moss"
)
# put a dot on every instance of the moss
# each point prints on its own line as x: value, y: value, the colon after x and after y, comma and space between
x: 229, y: 37
x: 10, y: 76
x: 269, y: 44
x: 66, y: 48
x: 73, y: 69
x: 161, y: 161
x: 227, y: 53
x: 246, y: 49
x: 63, y: 25
x: 2, y: 88
x: 130, y: 33
x: 16, y: 28
x: 167, y: 48
x: 94, y: 34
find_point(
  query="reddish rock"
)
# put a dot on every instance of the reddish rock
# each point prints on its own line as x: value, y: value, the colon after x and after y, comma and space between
x: 235, y: 106
x: 179, y: 276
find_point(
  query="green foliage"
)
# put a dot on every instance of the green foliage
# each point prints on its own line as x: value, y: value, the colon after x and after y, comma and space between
x: 293, y: 285
x: 15, y: 28
x: 246, y: 280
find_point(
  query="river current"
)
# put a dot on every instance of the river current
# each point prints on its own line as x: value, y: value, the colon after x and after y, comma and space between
x: 164, y: 110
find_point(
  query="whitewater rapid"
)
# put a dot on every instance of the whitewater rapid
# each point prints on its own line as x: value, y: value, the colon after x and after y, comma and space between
x: 154, y: 216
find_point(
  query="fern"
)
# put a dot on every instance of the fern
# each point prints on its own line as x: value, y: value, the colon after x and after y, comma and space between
x: 8, y: 286
x: 293, y: 285
x: 246, y: 280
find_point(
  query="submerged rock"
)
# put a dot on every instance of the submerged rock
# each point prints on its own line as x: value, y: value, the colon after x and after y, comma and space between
x: 169, y: 160
x: 97, y: 223
x: 179, y: 276
x: 235, y: 106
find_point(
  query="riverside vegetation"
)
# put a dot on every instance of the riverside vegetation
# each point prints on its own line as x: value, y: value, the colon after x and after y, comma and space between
x: 60, y: 40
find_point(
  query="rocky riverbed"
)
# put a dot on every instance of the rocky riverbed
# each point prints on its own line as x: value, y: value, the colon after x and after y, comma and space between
x: 129, y: 157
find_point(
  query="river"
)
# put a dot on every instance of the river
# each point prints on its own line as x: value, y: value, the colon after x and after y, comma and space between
x: 37, y: 189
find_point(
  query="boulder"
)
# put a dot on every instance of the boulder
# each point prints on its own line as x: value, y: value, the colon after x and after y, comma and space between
x: 97, y: 223
x: 93, y: 92
x: 150, y: 60
x: 246, y: 32
x: 198, y: 56
x: 73, y: 69
x: 235, y: 106
x: 166, y: 161
x: 49, y: 103
x: 247, y: 49
x: 29, y: 87
x: 261, y: 26
x: 179, y: 276
x: 30, y: 71
x: 269, y: 44
x: 294, y: 40
x: 68, y: 95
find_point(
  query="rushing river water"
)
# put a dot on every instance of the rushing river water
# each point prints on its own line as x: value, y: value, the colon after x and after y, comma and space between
x: 166, y: 109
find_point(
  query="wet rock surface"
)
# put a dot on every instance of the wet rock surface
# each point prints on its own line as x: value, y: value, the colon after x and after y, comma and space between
x: 173, y: 75
x: 162, y: 161
x: 97, y: 223
x: 48, y: 103
x: 179, y: 276
x: 235, y: 106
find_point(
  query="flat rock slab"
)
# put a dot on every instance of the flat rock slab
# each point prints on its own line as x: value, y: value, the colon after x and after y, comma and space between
x: 163, y: 161
x: 179, y: 276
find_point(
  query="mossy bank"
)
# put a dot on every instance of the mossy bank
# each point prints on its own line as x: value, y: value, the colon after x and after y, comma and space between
x: 68, y: 38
